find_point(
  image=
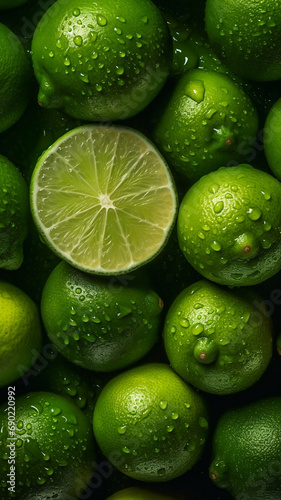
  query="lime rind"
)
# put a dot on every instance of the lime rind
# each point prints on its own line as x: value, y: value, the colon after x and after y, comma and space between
x: 103, y: 199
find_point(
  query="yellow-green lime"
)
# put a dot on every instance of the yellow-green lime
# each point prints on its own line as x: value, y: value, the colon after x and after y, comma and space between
x: 271, y: 138
x: 15, y: 78
x: 247, y: 449
x: 100, y: 323
x: 218, y: 340
x: 203, y: 123
x: 143, y: 493
x: 20, y: 333
x: 229, y: 226
x: 101, y: 60
x: 103, y: 199
x: 52, y: 447
x: 150, y: 424
x: 14, y: 215
x: 246, y: 35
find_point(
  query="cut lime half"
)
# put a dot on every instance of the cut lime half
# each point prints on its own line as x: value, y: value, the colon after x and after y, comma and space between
x: 103, y: 198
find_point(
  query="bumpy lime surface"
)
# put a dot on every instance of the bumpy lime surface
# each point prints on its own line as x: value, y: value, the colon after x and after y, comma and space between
x: 103, y: 199
x: 246, y: 451
x: 14, y: 215
x: 20, y: 333
x: 54, y: 447
x: 229, y: 226
x: 272, y: 138
x: 101, y: 60
x: 246, y: 35
x: 217, y: 340
x: 203, y: 123
x: 150, y: 424
x: 15, y: 78
x: 102, y: 324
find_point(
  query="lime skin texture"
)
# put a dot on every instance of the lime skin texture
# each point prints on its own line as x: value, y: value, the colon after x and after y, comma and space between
x: 100, y: 323
x: 218, y: 340
x: 110, y: 62
x: 14, y: 215
x: 246, y: 36
x: 150, y: 424
x: 229, y: 226
x: 54, y: 447
x: 246, y: 450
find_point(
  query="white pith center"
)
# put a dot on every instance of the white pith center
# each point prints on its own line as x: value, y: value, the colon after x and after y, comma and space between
x: 106, y: 202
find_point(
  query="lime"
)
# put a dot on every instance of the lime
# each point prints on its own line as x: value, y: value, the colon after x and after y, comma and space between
x: 246, y: 36
x: 203, y: 122
x: 229, y: 226
x: 103, y: 60
x: 20, y: 333
x: 141, y: 493
x: 103, y: 199
x: 14, y: 215
x: 52, y: 447
x: 271, y: 138
x: 149, y: 424
x: 218, y: 340
x: 100, y: 323
x: 15, y: 78
x: 247, y: 449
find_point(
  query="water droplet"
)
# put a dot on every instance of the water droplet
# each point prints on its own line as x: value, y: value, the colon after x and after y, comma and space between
x: 101, y: 20
x: 203, y: 423
x: 161, y: 472
x: 218, y: 207
x: 213, y: 188
x: 184, y: 323
x: 119, y: 70
x: 78, y: 40
x: 254, y: 213
x: 216, y: 246
x: 51, y: 54
x: 163, y: 405
x: 76, y: 12
x: 125, y: 449
x: 197, y: 329
x: 195, y: 89
x: 122, y: 429
x: 170, y: 428
x: 175, y: 415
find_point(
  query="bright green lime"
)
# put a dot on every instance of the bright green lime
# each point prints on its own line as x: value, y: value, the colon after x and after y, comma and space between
x: 272, y: 138
x: 15, y: 78
x: 246, y: 36
x: 220, y: 341
x: 20, y: 333
x: 100, y: 323
x: 203, y: 122
x: 150, y: 424
x: 101, y: 60
x: 247, y: 449
x: 14, y: 215
x: 53, y: 450
x: 229, y: 226
x: 103, y: 199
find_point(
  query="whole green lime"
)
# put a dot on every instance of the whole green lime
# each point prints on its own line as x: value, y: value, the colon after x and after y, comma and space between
x: 101, y: 60
x: 15, y: 78
x: 203, y: 123
x: 101, y: 324
x: 247, y: 449
x: 229, y: 226
x: 272, y: 138
x: 20, y: 333
x: 246, y: 36
x: 218, y: 340
x: 52, y: 447
x: 14, y: 215
x: 150, y: 424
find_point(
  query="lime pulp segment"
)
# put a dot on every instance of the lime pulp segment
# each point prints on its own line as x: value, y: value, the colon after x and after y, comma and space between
x: 103, y: 198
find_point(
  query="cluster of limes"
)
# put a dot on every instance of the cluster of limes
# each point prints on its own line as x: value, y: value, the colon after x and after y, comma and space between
x: 140, y: 249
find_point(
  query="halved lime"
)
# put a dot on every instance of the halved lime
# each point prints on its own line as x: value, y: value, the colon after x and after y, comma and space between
x: 103, y: 198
